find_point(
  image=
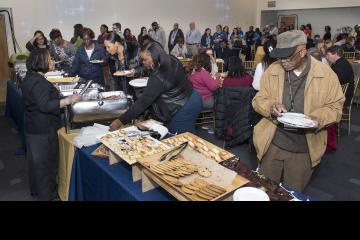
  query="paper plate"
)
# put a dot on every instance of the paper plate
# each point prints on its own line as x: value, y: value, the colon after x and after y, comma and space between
x: 297, y: 120
x: 250, y: 194
x: 139, y: 83
x: 97, y: 61
x: 122, y: 73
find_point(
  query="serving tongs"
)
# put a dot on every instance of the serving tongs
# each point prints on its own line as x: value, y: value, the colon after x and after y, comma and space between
x: 87, y: 86
x: 173, y: 154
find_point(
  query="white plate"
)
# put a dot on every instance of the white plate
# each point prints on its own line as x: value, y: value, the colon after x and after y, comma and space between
x: 297, y: 120
x: 140, y: 83
x: 250, y: 194
x: 122, y: 73
x: 219, y: 60
x: 163, y: 131
x: 97, y: 61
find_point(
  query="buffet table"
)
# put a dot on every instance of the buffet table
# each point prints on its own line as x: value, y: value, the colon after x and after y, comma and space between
x: 83, y: 177
x: 14, y: 110
x: 93, y: 179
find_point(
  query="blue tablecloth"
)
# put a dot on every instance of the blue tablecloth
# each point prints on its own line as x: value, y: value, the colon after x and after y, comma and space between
x: 93, y: 179
x: 14, y: 110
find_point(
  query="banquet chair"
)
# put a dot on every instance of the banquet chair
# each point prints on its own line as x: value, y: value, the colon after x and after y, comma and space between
x: 357, y: 92
x: 346, y: 117
x: 220, y: 66
x: 344, y: 88
x: 349, y: 55
x: 206, y: 116
x: 249, y: 65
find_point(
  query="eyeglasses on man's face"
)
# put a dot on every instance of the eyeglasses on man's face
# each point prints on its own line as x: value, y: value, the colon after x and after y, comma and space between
x: 292, y: 57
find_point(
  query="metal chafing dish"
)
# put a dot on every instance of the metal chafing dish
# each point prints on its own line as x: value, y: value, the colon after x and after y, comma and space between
x: 96, y: 107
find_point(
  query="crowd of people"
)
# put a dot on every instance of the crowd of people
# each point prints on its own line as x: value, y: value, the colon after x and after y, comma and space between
x: 291, y: 63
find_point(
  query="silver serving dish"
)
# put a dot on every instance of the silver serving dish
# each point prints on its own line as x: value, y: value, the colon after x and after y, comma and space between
x: 96, y: 107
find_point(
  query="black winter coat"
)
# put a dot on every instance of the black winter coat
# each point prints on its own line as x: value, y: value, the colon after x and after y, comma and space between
x: 234, y: 115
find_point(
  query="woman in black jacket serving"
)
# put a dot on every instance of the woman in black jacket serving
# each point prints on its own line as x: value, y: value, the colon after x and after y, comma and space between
x: 168, y: 94
x: 42, y: 114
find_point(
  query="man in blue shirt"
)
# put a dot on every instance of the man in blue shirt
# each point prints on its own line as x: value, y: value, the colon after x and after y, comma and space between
x: 193, y: 40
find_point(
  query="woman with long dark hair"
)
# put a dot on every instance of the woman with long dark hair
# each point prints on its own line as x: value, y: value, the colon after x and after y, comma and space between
x: 327, y: 35
x: 143, y: 33
x: 77, y: 38
x: 42, y: 120
x: 38, y: 41
x: 237, y: 76
x: 207, y: 40
x: 116, y: 46
x: 168, y: 94
x: 269, y: 46
x: 104, y: 29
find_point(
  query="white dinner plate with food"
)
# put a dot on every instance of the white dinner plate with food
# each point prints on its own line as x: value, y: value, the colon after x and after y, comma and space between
x: 97, y: 61
x: 139, y: 83
x: 296, y: 120
x: 250, y: 194
x: 123, y: 73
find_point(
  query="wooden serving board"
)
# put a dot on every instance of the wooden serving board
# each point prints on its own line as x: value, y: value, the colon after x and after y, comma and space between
x: 101, y: 152
x: 113, y: 141
x: 221, y: 176
x: 204, y: 147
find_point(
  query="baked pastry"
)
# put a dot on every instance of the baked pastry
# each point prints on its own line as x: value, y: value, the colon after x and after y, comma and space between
x: 205, y: 172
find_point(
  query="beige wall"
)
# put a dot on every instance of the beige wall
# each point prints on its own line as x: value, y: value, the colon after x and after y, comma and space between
x: 31, y: 15
x: 303, y: 4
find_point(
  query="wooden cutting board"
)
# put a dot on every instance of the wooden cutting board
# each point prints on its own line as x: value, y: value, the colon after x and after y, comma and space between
x: 221, y: 176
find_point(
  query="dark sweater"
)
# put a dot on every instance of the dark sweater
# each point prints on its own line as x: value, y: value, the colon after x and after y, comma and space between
x: 166, y: 93
x: 81, y: 65
x: 345, y: 73
x: 42, y: 104
x: 291, y: 139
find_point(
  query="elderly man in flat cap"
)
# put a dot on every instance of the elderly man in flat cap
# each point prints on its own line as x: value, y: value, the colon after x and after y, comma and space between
x: 300, y: 84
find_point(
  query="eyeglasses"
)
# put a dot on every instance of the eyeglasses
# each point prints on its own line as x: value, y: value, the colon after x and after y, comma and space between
x: 289, y: 59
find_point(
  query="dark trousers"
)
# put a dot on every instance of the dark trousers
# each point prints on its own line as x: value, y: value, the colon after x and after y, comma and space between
x: 293, y: 169
x: 43, y: 160
x: 185, y: 119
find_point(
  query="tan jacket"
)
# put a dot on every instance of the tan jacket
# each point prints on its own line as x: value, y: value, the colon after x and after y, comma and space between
x: 324, y: 99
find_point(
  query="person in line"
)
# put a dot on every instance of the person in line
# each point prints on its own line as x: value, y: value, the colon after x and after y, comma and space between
x: 300, y: 84
x: 115, y: 46
x: 174, y: 37
x: 42, y: 121
x: 62, y: 51
x: 38, y: 41
x: 84, y: 63
x: 77, y: 40
x: 327, y: 35
x: 207, y: 40
x: 143, y: 33
x: 193, y: 40
x: 104, y: 29
x: 117, y: 29
x: 158, y: 34
x: 168, y: 94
